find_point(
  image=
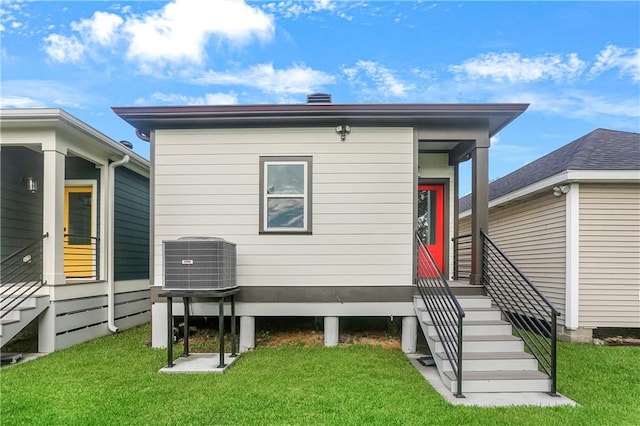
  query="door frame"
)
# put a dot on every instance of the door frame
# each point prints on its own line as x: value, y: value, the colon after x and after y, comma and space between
x: 93, y: 183
x: 445, y: 182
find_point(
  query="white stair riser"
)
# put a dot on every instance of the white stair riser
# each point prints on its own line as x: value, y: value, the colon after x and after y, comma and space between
x: 494, y: 386
x: 492, y: 364
x: 12, y: 316
x: 28, y: 303
x: 466, y: 303
x: 492, y: 315
x: 477, y: 330
x: 21, y: 317
x: 486, y: 346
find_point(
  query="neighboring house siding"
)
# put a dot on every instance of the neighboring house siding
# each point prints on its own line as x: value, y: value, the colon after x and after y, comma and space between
x: 81, y: 319
x: 21, y: 215
x: 131, y: 222
x: 609, y: 255
x: 532, y: 233
x: 207, y: 183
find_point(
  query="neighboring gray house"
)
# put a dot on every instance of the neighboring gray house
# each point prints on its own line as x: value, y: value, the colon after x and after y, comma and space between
x: 571, y: 221
x: 74, y: 230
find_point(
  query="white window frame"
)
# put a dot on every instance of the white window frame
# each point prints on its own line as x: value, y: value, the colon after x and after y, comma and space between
x: 305, y: 196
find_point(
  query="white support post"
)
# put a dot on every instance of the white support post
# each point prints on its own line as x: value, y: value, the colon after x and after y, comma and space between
x: 331, y: 331
x: 53, y: 218
x: 572, y: 271
x: 47, y: 330
x: 159, y: 321
x: 409, y: 334
x: 247, y: 333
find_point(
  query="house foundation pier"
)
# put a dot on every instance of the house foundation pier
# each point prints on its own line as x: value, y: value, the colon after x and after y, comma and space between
x: 331, y: 331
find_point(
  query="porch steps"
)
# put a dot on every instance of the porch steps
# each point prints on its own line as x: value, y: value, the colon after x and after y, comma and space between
x: 21, y: 316
x: 493, y: 360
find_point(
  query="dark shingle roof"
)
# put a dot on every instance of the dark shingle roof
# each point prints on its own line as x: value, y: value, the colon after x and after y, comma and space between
x: 601, y: 149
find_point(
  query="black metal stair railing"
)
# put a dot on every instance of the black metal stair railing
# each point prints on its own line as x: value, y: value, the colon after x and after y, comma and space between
x: 443, y: 307
x: 20, y: 276
x: 532, y: 315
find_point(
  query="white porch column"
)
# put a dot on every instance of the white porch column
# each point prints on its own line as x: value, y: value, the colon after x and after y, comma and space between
x: 572, y: 272
x: 331, y: 331
x: 53, y: 217
x: 409, y: 334
x: 247, y: 333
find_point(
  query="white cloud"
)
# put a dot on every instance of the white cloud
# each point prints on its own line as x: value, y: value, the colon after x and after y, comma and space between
x: 383, y: 79
x: 63, y: 49
x: 627, y: 61
x: 44, y: 93
x: 208, y: 99
x: 179, y: 32
x: 514, y: 68
x: 19, y: 102
x: 296, y: 79
x: 293, y: 9
x: 101, y: 28
x: 576, y: 104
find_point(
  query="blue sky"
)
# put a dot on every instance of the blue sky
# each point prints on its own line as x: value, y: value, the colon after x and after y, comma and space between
x: 576, y: 63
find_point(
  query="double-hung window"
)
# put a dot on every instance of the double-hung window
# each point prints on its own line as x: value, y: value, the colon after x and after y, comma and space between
x: 285, y: 195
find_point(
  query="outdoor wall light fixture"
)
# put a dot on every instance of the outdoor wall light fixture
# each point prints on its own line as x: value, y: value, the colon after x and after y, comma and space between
x: 31, y: 184
x: 343, y: 130
x: 560, y: 189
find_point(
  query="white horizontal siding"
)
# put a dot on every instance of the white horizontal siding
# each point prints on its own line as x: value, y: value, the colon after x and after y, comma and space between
x: 609, y: 255
x: 207, y: 183
x: 532, y: 234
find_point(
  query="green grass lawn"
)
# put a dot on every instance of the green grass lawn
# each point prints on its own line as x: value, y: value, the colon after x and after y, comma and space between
x: 115, y: 381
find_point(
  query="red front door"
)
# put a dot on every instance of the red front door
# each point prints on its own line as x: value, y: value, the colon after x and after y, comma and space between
x: 431, y: 222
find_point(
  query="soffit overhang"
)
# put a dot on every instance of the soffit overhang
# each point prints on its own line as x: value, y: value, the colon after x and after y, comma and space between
x: 492, y: 117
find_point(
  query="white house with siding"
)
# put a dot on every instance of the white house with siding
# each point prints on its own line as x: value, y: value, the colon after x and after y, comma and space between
x: 571, y: 221
x: 321, y: 199
x: 74, y: 230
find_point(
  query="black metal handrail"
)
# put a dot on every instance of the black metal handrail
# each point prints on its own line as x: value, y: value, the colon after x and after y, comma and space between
x: 20, y: 276
x: 81, y: 256
x: 461, y: 257
x: 532, y: 315
x: 443, y: 307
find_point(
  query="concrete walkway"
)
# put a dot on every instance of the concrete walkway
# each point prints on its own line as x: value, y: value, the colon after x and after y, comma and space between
x: 200, y: 363
x: 486, y: 399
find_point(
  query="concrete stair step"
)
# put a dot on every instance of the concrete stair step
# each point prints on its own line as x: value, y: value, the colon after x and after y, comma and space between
x: 484, y: 343
x: 491, y: 361
x: 21, y: 316
x: 499, y: 381
x: 475, y: 328
x: 465, y: 301
x: 472, y: 314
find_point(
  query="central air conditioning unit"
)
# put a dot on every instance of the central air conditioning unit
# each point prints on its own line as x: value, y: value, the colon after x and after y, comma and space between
x: 199, y: 263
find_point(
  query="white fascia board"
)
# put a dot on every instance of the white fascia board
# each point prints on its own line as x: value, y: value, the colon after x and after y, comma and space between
x: 567, y: 176
x: 60, y: 119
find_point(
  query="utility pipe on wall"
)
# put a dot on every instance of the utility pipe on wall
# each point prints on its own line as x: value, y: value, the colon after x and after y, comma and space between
x: 111, y: 285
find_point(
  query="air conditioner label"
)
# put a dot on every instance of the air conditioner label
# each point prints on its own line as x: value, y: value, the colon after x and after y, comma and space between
x: 187, y: 261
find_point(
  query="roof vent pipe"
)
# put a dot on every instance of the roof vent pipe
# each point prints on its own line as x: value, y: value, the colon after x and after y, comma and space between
x: 319, y: 98
x: 127, y: 144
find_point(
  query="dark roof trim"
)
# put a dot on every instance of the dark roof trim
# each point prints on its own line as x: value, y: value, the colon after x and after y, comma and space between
x: 145, y: 119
